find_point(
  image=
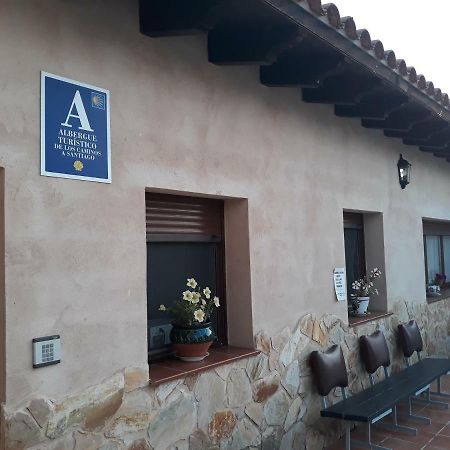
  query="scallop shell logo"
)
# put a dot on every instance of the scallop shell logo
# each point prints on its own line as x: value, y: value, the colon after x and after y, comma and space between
x: 78, y: 165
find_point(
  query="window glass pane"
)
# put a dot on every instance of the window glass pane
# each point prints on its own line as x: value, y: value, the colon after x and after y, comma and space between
x: 433, y: 244
x: 354, y: 256
x: 446, y: 242
x: 169, y: 265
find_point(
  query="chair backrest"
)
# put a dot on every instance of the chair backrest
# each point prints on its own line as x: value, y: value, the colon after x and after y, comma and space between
x: 410, y: 338
x: 374, y: 351
x: 329, y: 369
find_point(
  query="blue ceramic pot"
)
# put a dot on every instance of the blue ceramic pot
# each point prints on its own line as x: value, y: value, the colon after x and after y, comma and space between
x: 194, y: 334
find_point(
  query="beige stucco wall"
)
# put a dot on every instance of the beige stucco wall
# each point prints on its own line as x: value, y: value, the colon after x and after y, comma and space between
x: 75, y: 251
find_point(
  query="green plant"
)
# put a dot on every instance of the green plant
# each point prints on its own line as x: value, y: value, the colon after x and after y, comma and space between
x: 364, y: 287
x: 194, y: 307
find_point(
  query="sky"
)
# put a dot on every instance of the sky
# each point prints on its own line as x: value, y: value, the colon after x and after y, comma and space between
x: 416, y: 30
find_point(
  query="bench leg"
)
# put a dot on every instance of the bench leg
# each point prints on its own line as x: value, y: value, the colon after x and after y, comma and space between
x: 439, y: 392
x: 396, y: 426
x: 411, y: 416
x: 429, y: 401
x: 368, y: 443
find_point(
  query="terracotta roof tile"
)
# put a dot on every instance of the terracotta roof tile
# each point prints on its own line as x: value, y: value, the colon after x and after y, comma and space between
x: 330, y: 13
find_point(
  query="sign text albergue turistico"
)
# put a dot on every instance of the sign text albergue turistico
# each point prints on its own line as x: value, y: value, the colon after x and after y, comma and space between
x: 75, y: 130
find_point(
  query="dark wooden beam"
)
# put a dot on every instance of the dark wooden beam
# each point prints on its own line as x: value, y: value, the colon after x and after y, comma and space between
x: 419, y: 131
x: 244, y: 45
x: 301, y: 70
x: 400, y: 121
x: 343, y: 90
x: 372, y: 107
x: 438, y: 141
x: 174, y: 17
x: 434, y: 132
x: 441, y: 155
x: 444, y: 151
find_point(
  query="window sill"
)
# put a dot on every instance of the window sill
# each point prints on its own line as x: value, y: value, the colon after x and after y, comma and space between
x: 373, y: 315
x: 445, y: 293
x: 172, y: 368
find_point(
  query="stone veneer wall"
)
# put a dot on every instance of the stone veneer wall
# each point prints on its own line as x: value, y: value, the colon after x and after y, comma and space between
x: 265, y: 402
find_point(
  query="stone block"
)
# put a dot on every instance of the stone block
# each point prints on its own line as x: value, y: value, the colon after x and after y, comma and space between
x: 135, y: 378
x: 239, y: 390
x: 263, y: 389
x: 22, y: 431
x: 140, y: 444
x: 294, y: 412
x: 291, y: 379
x: 276, y: 408
x: 221, y: 426
x: 95, y: 405
x: 271, y: 438
x: 255, y: 411
x: 257, y: 367
x: 87, y: 441
x: 41, y: 409
x: 246, y: 435
x: 263, y: 343
x: 173, y: 422
x: 210, y: 394
x: 133, y: 416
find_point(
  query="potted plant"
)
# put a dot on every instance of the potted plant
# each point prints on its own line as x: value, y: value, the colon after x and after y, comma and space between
x: 363, y: 289
x: 192, y: 333
x: 434, y: 288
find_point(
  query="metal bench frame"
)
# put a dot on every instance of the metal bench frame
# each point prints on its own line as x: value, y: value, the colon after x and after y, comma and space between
x: 348, y: 440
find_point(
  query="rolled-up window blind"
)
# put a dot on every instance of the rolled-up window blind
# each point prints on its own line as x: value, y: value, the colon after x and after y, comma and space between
x: 188, y: 216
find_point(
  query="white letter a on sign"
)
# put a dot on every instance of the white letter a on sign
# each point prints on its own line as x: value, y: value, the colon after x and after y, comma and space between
x: 81, y: 115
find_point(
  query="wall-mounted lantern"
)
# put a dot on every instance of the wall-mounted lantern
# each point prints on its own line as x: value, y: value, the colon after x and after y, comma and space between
x: 404, y: 172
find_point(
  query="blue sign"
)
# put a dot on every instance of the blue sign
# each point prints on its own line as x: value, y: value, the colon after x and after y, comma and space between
x: 75, y: 132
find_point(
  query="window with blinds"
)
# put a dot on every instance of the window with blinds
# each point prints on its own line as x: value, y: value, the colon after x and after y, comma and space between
x: 185, y: 238
x: 355, y: 259
x: 436, y: 239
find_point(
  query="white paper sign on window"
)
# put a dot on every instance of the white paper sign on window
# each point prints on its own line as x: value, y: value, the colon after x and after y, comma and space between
x: 340, y: 284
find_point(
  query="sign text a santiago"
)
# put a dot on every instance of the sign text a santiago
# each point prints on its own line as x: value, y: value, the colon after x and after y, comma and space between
x: 75, y: 131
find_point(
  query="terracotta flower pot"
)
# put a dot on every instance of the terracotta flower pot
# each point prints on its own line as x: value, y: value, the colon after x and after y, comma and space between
x: 191, y: 343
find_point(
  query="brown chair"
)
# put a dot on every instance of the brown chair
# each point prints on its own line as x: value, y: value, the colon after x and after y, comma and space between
x: 410, y: 339
x: 329, y: 372
x: 411, y: 342
x: 375, y: 354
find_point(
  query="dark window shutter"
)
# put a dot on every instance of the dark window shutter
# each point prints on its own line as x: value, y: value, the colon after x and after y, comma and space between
x: 353, y: 220
x: 168, y: 214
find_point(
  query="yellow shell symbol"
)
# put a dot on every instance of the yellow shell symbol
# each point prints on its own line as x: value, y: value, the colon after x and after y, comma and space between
x: 78, y: 165
x: 96, y: 100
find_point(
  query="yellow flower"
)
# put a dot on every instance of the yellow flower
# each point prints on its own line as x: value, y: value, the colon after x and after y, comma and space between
x: 78, y: 166
x: 191, y: 283
x: 187, y: 295
x: 216, y: 301
x: 207, y: 292
x: 199, y: 315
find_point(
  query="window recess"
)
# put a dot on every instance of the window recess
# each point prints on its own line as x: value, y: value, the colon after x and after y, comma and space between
x: 436, y: 241
x: 364, y: 250
x: 185, y: 238
x: 355, y: 259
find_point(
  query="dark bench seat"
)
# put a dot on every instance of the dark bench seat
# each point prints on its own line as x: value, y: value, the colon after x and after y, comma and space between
x: 373, y: 403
